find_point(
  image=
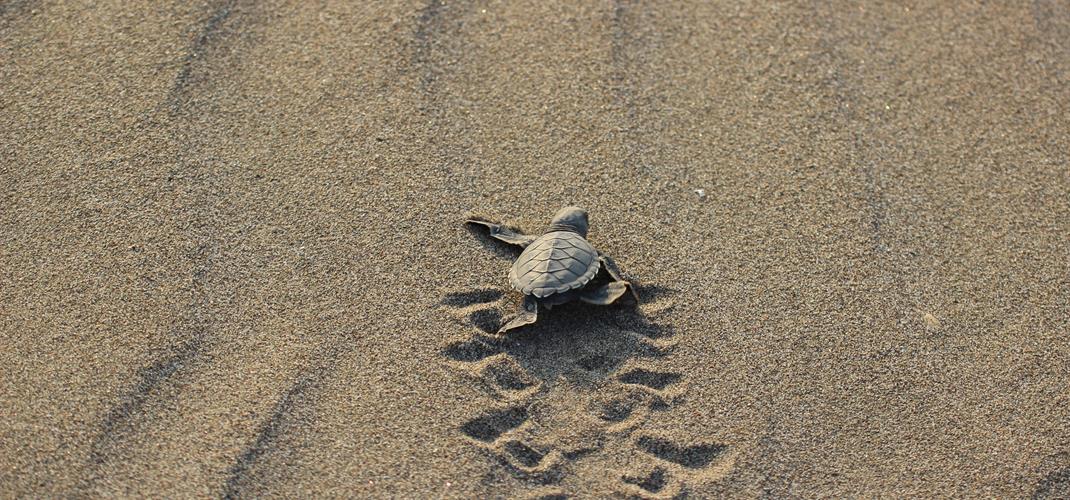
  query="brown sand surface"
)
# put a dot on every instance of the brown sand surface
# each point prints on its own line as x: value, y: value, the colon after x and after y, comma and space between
x: 232, y: 259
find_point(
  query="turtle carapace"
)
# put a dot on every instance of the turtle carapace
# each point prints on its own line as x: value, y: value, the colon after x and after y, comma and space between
x: 557, y: 267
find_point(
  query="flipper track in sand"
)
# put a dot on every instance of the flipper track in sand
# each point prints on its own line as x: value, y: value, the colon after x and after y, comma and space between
x: 606, y: 365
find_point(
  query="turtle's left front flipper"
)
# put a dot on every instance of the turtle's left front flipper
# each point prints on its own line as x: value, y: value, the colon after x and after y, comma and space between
x: 619, y: 284
x: 503, y: 233
x: 527, y: 315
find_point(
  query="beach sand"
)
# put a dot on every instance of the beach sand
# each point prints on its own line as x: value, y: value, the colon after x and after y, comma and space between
x: 232, y: 258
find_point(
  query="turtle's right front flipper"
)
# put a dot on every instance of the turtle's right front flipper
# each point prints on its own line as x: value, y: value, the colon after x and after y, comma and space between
x: 614, y: 272
x: 503, y: 233
x: 606, y: 294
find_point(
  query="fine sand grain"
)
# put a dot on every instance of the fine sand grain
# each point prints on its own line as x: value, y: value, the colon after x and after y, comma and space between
x: 232, y: 259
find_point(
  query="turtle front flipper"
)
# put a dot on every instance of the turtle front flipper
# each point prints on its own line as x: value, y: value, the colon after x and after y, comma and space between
x: 605, y: 294
x: 527, y: 315
x: 503, y: 233
x: 614, y: 272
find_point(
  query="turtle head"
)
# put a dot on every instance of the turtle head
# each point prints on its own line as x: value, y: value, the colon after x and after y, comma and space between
x: 570, y: 219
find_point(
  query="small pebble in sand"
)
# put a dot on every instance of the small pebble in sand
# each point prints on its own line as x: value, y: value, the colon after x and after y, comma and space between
x: 701, y: 194
x: 930, y: 321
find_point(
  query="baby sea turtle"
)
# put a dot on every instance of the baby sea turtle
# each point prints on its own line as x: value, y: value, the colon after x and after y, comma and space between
x: 558, y: 267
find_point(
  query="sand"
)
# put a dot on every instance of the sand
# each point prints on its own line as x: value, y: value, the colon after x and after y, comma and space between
x: 232, y: 259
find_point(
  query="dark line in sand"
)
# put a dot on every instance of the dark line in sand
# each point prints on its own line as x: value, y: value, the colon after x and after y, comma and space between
x: 269, y: 434
x: 119, y: 422
x: 429, y: 24
x: 770, y: 447
x: 875, y: 200
x: 437, y: 53
x: 1054, y: 485
x: 126, y: 417
x: 1047, y: 16
x: 632, y: 48
x: 12, y: 8
x: 191, y: 334
x: 148, y: 392
x: 280, y: 421
x: 209, y: 31
x: 11, y: 12
x: 620, y: 43
x: 846, y: 92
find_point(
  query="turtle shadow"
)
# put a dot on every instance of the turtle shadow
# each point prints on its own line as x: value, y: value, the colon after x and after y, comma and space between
x: 576, y: 342
x: 583, y: 343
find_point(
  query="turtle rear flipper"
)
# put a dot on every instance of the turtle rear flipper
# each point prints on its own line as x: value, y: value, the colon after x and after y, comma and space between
x: 528, y: 313
x: 503, y: 233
